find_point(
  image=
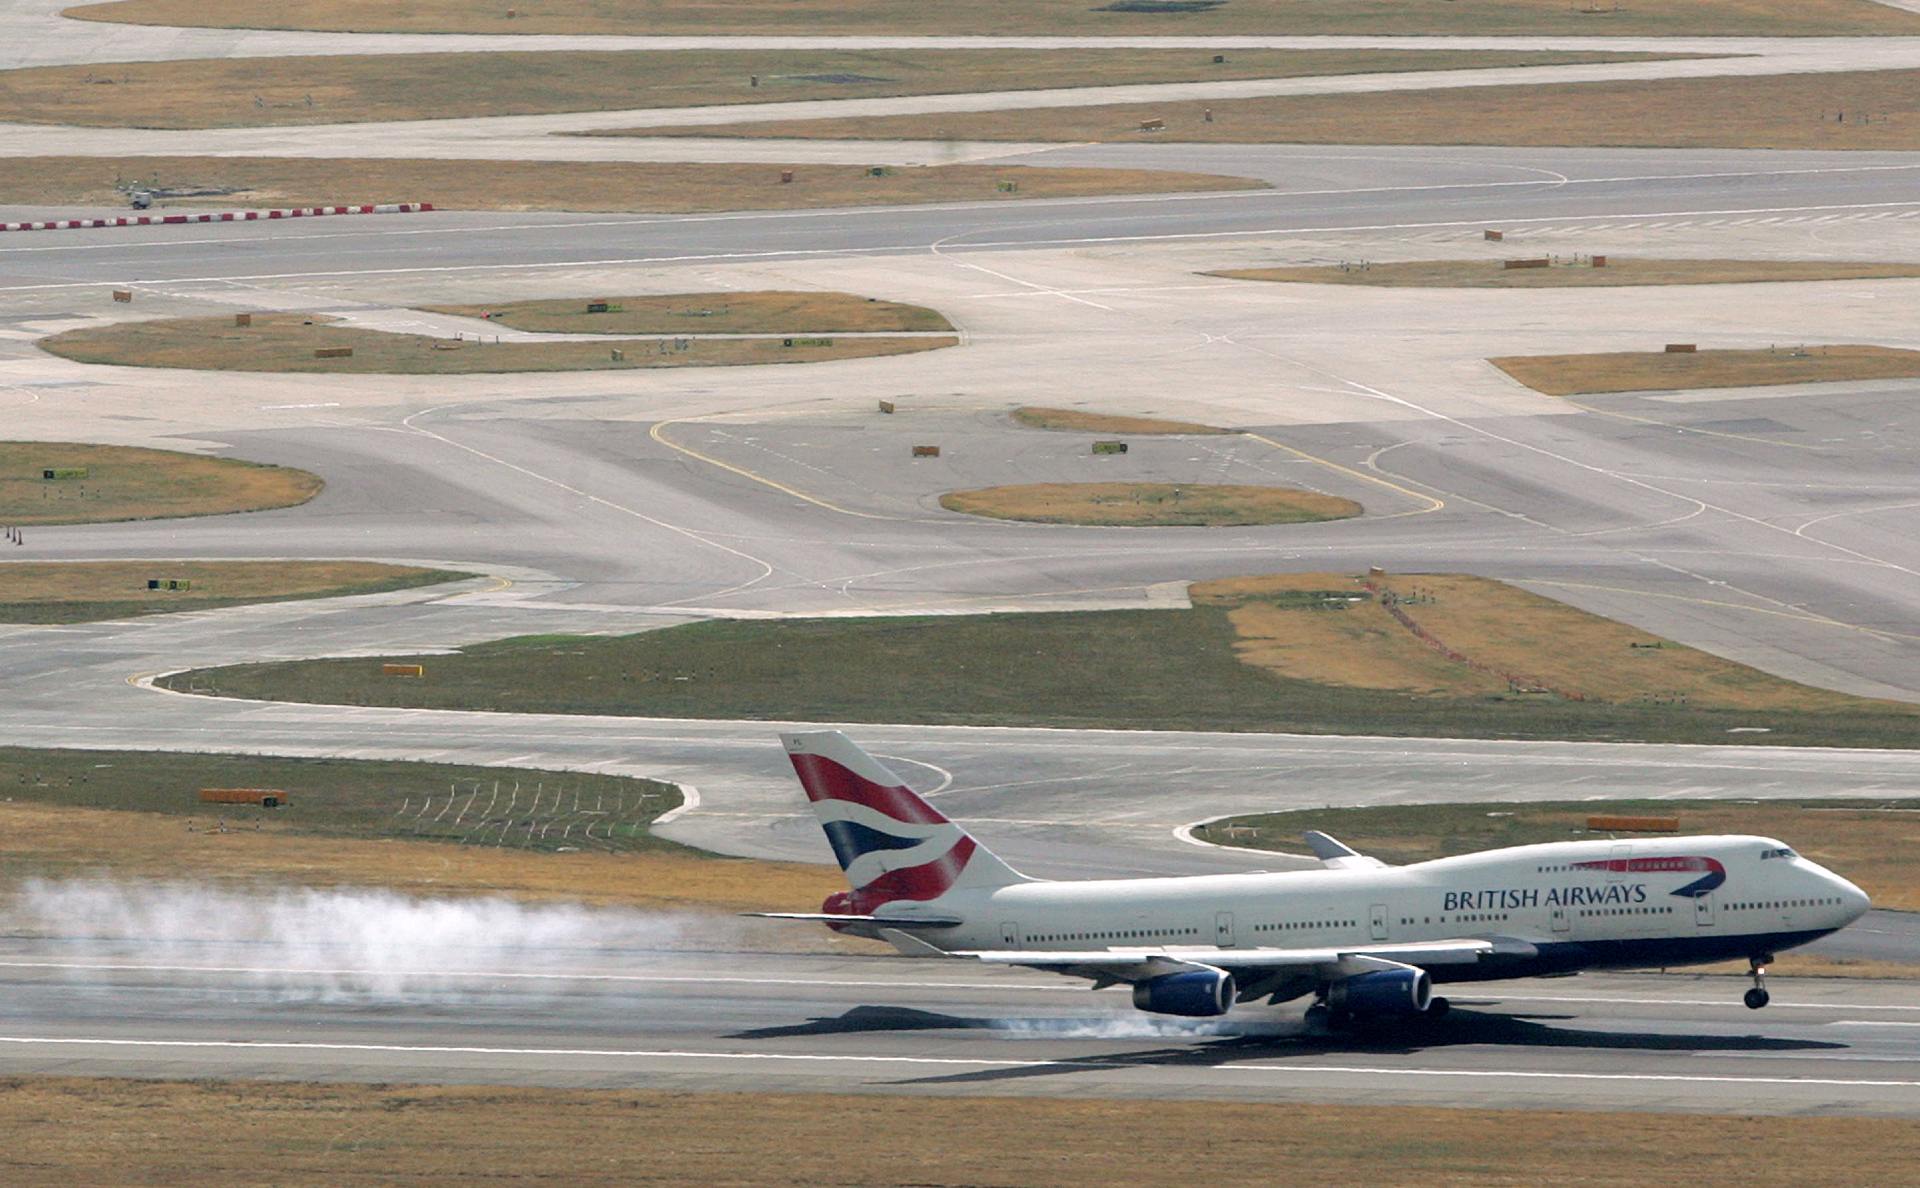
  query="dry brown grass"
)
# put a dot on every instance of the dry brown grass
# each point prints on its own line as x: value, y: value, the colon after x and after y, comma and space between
x: 1786, y: 111
x: 764, y: 312
x: 61, y: 841
x: 1150, y: 505
x: 246, y: 92
x: 1739, y: 18
x: 63, y: 1131
x: 232, y: 182
x: 129, y: 483
x: 1572, y: 273
x: 1086, y: 422
x: 286, y: 342
x: 1295, y: 625
x: 78, y: 591
x: 1647, y: 371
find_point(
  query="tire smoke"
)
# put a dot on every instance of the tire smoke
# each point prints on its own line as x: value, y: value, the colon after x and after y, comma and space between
x: 307, y: 944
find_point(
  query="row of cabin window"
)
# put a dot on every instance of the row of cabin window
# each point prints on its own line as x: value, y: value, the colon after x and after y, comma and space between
x: 1781, y: 903
x: 1289, y: 926
x: 1633, y: 911
x: 1128, y: 935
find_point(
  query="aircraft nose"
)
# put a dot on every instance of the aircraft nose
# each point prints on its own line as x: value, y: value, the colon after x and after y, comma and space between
x: 1854, y: 901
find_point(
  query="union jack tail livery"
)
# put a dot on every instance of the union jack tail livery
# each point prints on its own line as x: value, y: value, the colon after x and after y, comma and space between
x: 896, y: 848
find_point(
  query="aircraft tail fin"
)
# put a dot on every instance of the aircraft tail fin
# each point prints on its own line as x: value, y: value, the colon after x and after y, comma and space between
x: 891, y: 843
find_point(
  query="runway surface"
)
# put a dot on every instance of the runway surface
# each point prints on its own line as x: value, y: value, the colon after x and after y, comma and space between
x: 733, y: 1021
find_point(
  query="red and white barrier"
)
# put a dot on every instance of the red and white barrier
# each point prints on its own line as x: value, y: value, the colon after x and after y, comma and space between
x: 229, y: 216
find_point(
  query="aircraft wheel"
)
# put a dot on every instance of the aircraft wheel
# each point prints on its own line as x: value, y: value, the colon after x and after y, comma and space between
x: 1437, y: 1009
x: 1756, y: 998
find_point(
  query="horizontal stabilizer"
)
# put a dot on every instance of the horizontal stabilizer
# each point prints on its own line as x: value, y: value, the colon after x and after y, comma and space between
x: 1337, y: 855
x: 883, y: 921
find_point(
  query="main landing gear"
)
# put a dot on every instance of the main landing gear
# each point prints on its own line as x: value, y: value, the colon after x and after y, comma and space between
x: 1758, y: 996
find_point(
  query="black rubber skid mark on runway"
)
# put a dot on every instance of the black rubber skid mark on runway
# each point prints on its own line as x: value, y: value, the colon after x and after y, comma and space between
x: 1459, y: 1028
x: 868, y: 1018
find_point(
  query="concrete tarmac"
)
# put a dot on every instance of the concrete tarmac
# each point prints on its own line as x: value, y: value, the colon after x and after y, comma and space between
x: 675, y: 1019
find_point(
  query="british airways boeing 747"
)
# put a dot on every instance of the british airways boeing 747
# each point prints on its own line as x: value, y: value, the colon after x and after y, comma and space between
x: 1367, y: 940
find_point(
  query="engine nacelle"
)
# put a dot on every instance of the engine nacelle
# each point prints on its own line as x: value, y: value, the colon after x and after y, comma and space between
x: 1200, y: 993
x: 1388, y: 992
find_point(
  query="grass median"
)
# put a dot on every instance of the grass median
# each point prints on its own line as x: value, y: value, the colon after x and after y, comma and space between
x: 220, y: 1134
x: 759, y: 312
x: 1080, y: 421
x: 1855, y: 110
x: 85, y: 591
x: 61, y: 482
x: 1732, y: 18
x: 1573, y: 272
x: 1305, y: 653
x: 252, y: 92
x: 303, y: 343
x: 669, y: 188
x: 1650, y: 371
x: 1150, y: 505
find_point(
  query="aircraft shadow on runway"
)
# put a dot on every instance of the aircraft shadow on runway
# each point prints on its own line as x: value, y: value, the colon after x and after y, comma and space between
x: 1280, y: 1038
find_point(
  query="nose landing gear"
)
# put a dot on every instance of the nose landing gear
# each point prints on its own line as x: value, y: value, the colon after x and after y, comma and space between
x: 1758, y: 996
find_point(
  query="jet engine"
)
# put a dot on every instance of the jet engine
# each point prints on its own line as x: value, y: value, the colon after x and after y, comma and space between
x: 1200, y: 992
x: 1387, y: 992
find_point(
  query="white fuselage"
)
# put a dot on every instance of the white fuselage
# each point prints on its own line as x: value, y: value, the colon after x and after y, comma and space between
x: 1583, y: 904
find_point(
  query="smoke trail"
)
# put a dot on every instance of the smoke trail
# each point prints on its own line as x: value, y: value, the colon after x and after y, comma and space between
x: 1148, y: 1027
x: 339, y: 945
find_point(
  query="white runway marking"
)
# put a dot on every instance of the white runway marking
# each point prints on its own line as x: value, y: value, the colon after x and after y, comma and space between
x: 943, y: 1061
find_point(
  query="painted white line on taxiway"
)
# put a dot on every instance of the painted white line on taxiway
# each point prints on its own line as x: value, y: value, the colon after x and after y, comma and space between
x: 948, y: 1061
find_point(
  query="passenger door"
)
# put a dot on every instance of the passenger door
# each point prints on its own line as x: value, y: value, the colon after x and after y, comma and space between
x: 1377, y: 924
x: 1703, y: 910
x: 1223, y: 929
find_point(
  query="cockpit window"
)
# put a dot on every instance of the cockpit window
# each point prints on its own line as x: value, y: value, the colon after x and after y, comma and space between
x: 1782, y: 852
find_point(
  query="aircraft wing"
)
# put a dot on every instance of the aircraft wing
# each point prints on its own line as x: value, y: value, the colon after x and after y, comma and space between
x: 1129, y: 964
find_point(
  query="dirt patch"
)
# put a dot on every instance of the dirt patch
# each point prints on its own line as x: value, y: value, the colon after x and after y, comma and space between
x: 1731, y: 18
x: 1150, y: 505
x: 768, y: 312
x: 295, y: 342
x: 1869, y: 842
x: 1861, y: 110
x: 1086, y: 422
x: 248, y: 92
x: 1573, y: 272
x: 96, y: 483
x: 234, y: 182
x: 1330, y: 628
x: 1646, y: 371
x: 83, y: 591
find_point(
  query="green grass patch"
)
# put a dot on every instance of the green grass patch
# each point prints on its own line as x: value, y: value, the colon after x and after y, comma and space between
x: 98, y: 483
x: 1644, y: 371
x: 1150, y: 505
x: 1147, y: 669
x: 297, y: 343
x: 515, y: 808
x: 351, y: 88
x: 1571, y: 272
x: 1732, y: 18
x: 761, y: 312
x: 86, y: 591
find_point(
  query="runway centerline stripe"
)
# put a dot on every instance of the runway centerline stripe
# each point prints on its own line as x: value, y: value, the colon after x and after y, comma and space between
x: 973, y: 1062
